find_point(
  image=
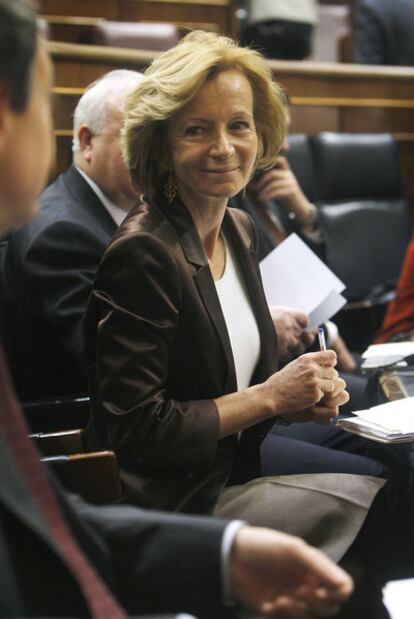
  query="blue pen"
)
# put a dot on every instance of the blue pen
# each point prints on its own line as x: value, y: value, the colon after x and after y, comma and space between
x: 321, y: 337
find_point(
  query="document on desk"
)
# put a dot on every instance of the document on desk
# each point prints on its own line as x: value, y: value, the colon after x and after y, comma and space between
x: 382, y: 355
x: 294, y: 276
x: 398, y: 598
x: 392, y: 422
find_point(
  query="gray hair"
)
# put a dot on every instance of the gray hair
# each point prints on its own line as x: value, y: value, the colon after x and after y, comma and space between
x: 104, y: 92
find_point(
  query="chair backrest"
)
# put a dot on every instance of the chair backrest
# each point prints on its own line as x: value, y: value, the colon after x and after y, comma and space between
x: 66, y: 443
x: 93, y: 475
x: 55, y: 415
x: 356, y: 166
x: 362, y: 210
x: 300, y: 158
x: 365, y: 243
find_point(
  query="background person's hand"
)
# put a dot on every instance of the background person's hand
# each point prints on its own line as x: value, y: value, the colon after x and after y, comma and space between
x: 280, y: 576
x: 302, y: 383
x: 346, y: 362
x: 278, y: 183
x: 281, y: 184
x: 290, y: 325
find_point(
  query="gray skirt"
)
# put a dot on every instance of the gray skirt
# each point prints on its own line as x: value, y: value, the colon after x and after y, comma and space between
x: 327, y: 509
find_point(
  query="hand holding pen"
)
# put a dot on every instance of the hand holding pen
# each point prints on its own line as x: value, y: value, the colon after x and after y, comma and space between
x: 321, y: 338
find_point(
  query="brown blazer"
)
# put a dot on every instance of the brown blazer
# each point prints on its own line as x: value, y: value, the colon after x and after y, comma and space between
x: 163, y: 353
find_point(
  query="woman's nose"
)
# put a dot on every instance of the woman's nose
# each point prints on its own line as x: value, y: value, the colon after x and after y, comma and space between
x: 222, y: 145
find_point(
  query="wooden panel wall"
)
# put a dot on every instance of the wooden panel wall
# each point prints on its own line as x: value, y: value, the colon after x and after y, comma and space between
x: 84, y: 8
x: 79, y: 65
x: 217, y: 15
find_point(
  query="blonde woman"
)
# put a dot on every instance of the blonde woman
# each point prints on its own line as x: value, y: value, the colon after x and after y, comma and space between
x: 182, y: 349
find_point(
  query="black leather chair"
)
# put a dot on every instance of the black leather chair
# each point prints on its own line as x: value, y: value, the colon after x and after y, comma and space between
x: 364, y: 218
x: 54, y: 415
x: 300, y: 158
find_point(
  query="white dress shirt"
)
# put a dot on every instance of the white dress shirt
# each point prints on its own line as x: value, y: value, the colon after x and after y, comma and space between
x: 117, y: 214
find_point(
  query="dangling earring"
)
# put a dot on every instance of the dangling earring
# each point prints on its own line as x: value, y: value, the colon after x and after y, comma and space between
x: 170, y: 189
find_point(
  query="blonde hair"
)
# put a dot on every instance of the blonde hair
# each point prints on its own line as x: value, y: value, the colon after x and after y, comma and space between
x: 172, y: 80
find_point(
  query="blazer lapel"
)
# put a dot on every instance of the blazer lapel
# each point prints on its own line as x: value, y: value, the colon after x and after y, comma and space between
x: 208, y: 293
x: 76, y: 185
x: 246, y: 257
x: 193, y: 249
x: 247, y: 260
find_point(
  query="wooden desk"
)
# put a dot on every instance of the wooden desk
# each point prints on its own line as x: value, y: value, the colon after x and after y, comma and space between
x: 219, y: 15
x: 71, y: 29
x: 79, y: 65
x: 107, y: 9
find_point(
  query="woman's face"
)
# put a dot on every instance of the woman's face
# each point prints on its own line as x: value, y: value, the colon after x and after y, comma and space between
x: 212, y: 140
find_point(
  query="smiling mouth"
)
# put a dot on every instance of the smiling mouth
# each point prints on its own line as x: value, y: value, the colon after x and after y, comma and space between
x: 221, y: 171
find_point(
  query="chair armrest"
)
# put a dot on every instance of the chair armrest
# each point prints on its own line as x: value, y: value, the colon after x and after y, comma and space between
x: 61, y: 443
x: 54, y: 415
x: 179, y: 616
x: 371, y: 301
x: 94, y: 476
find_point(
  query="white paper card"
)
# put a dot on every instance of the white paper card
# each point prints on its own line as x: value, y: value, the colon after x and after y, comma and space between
x: 328, y: 307
x: 398, y: 598
x: 294, y: 276
x: 397, y: 416
x: 394, y: 348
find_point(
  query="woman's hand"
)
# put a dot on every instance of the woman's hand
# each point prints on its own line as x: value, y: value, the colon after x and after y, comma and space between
x: 328, y: 407
x: 306, y: 389
x: 302, y: 383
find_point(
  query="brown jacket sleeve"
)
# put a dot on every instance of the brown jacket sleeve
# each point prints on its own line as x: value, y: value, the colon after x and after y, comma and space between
x: 137, y: 303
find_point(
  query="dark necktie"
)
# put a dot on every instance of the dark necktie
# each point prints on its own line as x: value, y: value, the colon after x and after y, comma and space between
x: 101, y: 602
x: 272, y: 223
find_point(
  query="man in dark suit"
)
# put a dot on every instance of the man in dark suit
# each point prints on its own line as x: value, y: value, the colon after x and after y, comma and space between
x: 52, y: 260
x: 60, y: 557
x: 382, y: 32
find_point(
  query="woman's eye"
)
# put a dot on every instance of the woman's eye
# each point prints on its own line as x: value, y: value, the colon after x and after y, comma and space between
x: 240, y: 125
x: 195, y: 130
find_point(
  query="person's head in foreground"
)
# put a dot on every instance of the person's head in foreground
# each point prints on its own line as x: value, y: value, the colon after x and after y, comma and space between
x: 206, y: 114
x: 26, y: 140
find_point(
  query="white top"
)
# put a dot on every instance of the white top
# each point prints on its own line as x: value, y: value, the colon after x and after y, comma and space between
x: 117, y: 214
x: 241, y: 323
x: 288, y: 10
